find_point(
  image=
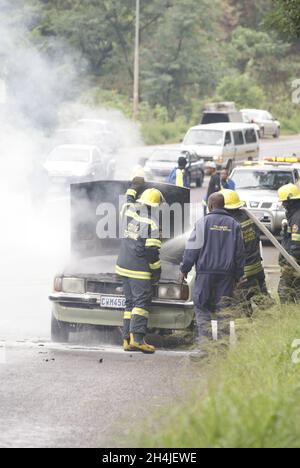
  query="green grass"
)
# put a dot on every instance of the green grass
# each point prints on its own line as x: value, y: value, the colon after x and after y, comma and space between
x: 250, y: 398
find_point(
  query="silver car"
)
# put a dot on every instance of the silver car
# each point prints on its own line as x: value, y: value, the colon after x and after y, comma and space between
x: 257, y: 186
x: 268, y: 126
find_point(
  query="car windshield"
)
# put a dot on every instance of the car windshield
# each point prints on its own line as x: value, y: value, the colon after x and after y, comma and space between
x: 165, y: 156
x: 70, y: 155
x: 261, y: 179
x: 204, y: 137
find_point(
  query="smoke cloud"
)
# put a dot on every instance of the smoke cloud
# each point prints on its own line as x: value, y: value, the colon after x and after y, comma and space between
x: 38, y: 94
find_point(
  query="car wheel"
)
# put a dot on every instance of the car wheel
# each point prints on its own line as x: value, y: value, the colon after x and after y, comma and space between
x: 277, y: 134
x: 59, y: 331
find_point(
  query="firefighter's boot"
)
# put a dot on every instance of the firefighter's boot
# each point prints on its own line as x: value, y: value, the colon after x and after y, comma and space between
x: 137, y: 343
x: 126, y: 345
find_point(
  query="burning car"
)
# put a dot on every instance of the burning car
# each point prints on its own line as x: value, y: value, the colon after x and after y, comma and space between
x: 88, y: 292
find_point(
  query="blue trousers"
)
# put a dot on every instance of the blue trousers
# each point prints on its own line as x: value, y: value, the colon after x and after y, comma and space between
x: 212, y: 294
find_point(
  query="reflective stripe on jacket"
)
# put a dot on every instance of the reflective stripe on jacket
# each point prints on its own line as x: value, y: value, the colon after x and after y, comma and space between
x: 139, y: 256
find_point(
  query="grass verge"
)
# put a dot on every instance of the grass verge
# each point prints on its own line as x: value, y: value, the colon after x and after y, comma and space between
x: 252, y: 396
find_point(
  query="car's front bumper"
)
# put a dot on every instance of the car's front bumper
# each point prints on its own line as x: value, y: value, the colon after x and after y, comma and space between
x: 85, y: 309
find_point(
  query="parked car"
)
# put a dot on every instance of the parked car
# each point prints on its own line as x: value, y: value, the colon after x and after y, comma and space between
x: 257, y: 186
x: 67, y: 164
x: 268, y: 126
x: 163, y: 161
x: 228, y: 144
x: 88, y: 292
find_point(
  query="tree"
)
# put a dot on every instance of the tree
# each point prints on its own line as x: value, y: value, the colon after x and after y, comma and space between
x: 182, y: 58
x: 285, y: 17
x: 241, y: 89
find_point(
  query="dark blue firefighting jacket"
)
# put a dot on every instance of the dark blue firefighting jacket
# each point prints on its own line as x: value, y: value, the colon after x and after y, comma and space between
x: 216, y: 246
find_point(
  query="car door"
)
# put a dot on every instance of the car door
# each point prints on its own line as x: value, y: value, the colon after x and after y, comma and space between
x: 229, y: 149
x: 194, y: 165
x: 269, y: 124
x: 239, y: 143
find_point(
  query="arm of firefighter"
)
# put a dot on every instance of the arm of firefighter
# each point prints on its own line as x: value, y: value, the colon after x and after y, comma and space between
x: 135, y: 190
x: 295, y: 242
x: 240, y: 255
x: 193, y: 249
x: 153, y: 246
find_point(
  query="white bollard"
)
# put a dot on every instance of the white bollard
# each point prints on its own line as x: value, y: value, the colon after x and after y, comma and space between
x: 233, y: 338
x: 214, y: 327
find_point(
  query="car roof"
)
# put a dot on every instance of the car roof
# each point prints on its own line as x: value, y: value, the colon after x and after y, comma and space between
x: 223, y: 126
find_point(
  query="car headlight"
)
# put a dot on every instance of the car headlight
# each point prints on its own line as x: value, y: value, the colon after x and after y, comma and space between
x: 173, y: 291
x: 73, y: 285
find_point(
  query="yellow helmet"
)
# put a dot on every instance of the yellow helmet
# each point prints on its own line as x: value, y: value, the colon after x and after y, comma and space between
x: 151, y: 197
x: 232, y: 200
x: 289, y: 192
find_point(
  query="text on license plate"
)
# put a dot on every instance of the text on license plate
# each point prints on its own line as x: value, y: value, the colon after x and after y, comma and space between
x: 112, y: 302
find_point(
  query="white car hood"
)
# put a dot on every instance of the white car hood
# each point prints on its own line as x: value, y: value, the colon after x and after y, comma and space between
x: 208, y: 151
x: 261, y: 196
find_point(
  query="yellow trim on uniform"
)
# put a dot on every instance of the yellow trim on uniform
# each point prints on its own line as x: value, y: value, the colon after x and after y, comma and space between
x: 155, y: 266
x: 153, y: 243
x: 251, y: 270
x: 140, y: 312
x: 127, y: 315
x: 140, y: 219
x: 296, y: 237
x: 179, y: 178
x: 141, y: 275
x: 131, y: 193
x: 247, y: 223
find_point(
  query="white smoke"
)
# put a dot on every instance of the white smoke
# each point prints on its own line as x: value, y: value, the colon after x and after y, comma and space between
x: 37, y: 95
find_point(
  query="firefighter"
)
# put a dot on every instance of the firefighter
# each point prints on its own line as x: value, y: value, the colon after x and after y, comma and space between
x: 139, y: 265
x: 254, y: 284
x: 216, y: 248
x: 179, y: 175
x: 289, y: 286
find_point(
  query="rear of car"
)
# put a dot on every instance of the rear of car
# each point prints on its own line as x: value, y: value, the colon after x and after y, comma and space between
x: 268, y: 126
x: 160, y: 165
x: 221, y: 117
x: 257, y: 186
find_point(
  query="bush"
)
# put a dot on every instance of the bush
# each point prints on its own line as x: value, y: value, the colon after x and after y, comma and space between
x: 241, y: 89
x: 251, y: 401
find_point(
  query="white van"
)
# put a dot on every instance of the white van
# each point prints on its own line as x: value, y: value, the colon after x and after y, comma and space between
x: 228, y: 144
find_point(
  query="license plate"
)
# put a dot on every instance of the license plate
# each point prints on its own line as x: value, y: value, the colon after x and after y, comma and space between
x: 112, y: 302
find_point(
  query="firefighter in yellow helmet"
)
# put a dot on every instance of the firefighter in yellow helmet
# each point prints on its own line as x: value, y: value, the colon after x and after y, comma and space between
x: 254, y: 287
x: 289, y: 286
x: 139, y: 264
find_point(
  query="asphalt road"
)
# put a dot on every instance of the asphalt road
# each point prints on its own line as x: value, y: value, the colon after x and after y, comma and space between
x: 63, y: 396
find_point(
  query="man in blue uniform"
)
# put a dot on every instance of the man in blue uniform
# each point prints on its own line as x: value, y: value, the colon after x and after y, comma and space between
x: 216, y: 249
x: 179, y: 175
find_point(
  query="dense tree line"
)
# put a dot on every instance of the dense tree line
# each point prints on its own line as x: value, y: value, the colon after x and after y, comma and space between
x: 191, y: 50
